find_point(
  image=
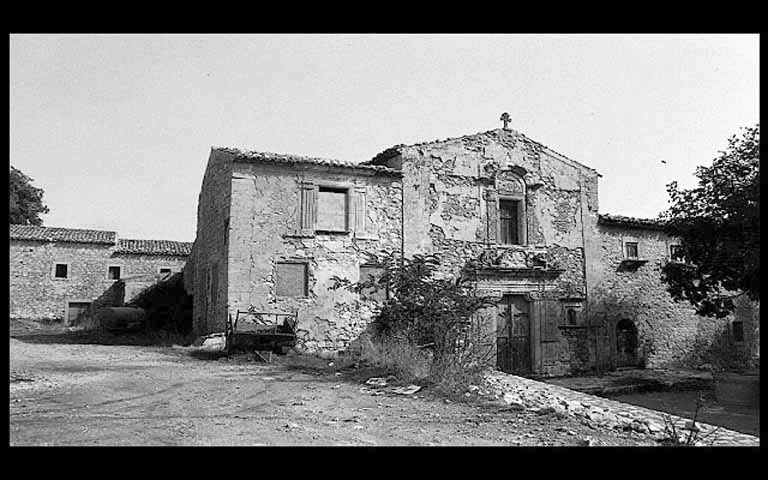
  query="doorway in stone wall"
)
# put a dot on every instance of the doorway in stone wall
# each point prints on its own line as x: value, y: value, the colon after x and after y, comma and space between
x: 626, y: 344
x: 513, y: 335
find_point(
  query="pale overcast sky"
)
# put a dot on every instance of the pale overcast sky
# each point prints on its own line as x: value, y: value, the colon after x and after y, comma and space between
x: 117, y: 128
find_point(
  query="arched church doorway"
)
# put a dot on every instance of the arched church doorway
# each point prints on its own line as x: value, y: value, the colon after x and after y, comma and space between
x: 626, y: 344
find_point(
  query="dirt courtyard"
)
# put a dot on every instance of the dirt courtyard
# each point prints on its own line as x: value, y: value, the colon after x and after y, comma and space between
x: 64, y: 393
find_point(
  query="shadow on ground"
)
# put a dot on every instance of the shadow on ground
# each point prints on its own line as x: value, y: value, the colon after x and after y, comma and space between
x: 97, y: 337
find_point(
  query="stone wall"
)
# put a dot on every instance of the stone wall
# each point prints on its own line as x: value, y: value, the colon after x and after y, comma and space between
x: 266, y: 205
x: 140, y: 271
x: 670, y: 333
x: 207, y: 267
x: 36, y: 294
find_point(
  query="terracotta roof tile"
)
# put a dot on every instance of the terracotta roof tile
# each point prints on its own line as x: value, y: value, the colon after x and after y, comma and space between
x: 54, y: 234
x: 153, y: 247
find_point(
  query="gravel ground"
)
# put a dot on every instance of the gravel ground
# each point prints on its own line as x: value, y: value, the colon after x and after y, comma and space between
x: 64, y: 393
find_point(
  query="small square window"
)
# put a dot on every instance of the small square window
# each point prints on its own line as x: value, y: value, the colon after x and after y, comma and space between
x: 676, y: 253
x: 113, y: 273
x: 61, y: 270
x: 630, y: 249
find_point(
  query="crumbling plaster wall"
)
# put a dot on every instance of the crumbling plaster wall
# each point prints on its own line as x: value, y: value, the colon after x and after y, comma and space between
x: 670, y: 333
x: 448, y: 211
x: 265, y: 205
x: 208, y: 259
x: 445, y: 186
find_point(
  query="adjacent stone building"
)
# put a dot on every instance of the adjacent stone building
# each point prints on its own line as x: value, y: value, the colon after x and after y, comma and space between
x: 63, y: 273
x: 576, y: 290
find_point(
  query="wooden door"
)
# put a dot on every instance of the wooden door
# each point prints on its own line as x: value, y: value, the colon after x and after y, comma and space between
x: 513, y: 335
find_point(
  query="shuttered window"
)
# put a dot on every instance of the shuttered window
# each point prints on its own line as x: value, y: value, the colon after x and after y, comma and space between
x: 291, y: 279
x: 332, y: 209
x: 307, y: 209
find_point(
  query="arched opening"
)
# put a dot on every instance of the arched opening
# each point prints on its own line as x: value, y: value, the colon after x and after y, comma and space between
x: 626, y: 344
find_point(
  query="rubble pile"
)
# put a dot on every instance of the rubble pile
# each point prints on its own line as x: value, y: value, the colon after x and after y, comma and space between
x: 595, y: 411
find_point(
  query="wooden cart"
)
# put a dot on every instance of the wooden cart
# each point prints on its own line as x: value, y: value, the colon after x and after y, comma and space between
x: 261, y: 331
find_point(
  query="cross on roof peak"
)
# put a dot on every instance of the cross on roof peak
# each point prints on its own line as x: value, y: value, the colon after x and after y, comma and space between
x: 505, y: 119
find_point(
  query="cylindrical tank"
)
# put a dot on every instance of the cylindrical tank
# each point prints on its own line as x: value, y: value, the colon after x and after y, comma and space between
x: 122, y: 318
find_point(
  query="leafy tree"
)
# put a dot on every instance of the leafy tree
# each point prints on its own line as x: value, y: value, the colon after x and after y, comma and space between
x: 718, y: 224
x: 26, y: 201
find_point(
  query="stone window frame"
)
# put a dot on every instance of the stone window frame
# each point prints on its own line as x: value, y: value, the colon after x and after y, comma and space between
x: 522, y: 215
x: 629, y: 240
x: 671, y: 256
x: 307, y: 279
x: 356, y: 198
x: 53, y: 270
x: 336, y: 187
x: 578, y: 308
x: 120, y: 272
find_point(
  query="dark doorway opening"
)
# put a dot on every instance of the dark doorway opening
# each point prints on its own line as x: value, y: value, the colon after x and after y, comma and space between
x: 626, y: 344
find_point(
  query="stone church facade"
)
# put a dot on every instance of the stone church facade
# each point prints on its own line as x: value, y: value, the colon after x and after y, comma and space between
x: 575, y: 290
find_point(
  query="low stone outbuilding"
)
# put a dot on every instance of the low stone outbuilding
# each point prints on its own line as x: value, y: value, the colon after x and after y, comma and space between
x: 64, y: 273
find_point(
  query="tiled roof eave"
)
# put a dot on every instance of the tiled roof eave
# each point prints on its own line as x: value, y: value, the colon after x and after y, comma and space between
x: 620, y: 220
x: 306, y: 162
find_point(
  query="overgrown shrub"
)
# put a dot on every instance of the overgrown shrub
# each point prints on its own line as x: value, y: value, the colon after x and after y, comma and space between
x: 427, y: 318
x: 399, y: 357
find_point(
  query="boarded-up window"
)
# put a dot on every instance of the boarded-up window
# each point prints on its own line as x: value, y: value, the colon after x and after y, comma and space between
x: 332, y: 209
x: 552, y: 313
x: 509, y: 212
x: 371, y: 272
x: 291, y: 279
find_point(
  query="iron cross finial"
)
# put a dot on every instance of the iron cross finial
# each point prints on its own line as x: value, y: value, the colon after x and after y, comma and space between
x: 505, y: 118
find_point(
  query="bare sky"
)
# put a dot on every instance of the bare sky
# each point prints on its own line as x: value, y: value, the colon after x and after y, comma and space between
x: 117, y: 128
